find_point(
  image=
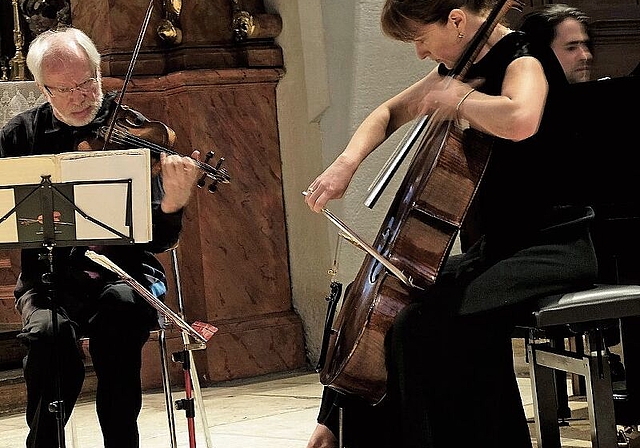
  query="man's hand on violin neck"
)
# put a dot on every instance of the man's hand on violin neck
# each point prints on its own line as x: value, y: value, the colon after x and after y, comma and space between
x: 179, y: 177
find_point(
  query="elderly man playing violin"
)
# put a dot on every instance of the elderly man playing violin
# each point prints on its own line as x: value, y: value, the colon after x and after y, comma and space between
x: 91, y: 302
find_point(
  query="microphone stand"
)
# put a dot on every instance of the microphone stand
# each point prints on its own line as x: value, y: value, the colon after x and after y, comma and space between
x: 193, y: 395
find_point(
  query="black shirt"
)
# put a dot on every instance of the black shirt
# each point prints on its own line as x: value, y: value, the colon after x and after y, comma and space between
x: 38, y: 131
x: 535, y: 183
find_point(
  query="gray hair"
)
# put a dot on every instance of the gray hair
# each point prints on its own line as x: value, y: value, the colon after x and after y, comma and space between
x: 59, y: 43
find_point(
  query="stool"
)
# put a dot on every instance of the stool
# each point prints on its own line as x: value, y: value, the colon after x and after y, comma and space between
x: 584, y: 313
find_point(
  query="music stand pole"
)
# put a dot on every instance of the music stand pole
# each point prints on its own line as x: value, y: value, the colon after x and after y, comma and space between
x: 46, y: 200
x: 57, y: 406
x: 193, y: 394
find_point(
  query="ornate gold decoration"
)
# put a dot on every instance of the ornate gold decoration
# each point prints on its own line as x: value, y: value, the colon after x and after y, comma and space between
x: 18, y: 62
x: 243, y: 25
x: 247, y: 26
x: 5, y: 69
x: 169, y: 27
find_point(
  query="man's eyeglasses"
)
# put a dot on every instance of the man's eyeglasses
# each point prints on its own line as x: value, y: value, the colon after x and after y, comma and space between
x: 66, y: 92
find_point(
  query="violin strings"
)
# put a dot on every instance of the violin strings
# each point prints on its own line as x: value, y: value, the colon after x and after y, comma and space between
x: 122, y: 138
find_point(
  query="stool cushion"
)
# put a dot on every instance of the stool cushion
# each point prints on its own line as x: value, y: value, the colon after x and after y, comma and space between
x: 603, y: 302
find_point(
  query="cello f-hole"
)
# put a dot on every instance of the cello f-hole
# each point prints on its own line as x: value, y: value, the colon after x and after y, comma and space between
x: 375, y: 268
x: 374, y: 273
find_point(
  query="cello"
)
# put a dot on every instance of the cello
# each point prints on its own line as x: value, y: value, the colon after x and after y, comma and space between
x: 414, y: 241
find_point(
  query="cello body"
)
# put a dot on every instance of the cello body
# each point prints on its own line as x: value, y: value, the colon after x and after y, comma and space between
x: 416, y: 235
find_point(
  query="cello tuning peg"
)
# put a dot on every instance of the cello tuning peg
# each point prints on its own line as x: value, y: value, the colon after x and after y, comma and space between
x: 213, y: 187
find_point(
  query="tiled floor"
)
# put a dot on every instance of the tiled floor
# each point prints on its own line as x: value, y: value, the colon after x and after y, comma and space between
x: 276, y: 411
x: 269, y: 412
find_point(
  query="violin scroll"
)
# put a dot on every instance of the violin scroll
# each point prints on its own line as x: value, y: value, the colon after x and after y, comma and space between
x: 214, y: 184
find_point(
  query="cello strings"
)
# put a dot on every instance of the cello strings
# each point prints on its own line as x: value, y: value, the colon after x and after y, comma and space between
x: 333, y: 271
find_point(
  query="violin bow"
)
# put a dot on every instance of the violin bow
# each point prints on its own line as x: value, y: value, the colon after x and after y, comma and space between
x: 127, y: 78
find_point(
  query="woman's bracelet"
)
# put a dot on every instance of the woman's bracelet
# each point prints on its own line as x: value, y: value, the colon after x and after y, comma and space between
x: 462, y: 101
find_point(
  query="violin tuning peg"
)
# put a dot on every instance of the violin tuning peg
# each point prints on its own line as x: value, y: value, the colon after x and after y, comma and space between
x: 213, y: 187
x: 222, y: 171
x: 201, y: 181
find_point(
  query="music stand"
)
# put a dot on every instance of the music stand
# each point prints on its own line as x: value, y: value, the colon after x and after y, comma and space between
x: 201, y: 332
x: 47, y: 215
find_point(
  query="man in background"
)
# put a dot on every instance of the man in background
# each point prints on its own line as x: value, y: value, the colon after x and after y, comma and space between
x: 565, y: 29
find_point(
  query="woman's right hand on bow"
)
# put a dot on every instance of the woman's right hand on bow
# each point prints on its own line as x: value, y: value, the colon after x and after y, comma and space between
x: 331, y: 184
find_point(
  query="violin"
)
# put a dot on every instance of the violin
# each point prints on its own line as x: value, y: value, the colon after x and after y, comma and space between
x: 133, y: 130
x: 130, y: 129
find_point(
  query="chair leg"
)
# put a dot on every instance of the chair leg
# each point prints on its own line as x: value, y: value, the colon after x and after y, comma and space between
x: 564, y: 411
x: 599, y: 395
x: 166, y: 385
x: 545, y: 405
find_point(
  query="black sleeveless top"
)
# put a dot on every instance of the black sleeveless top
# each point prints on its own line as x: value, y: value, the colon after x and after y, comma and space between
x: 533, y: 184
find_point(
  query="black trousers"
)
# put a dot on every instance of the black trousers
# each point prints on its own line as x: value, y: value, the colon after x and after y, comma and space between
x: 451, y: 381
x: 450, y: 385
x: 117, y: 329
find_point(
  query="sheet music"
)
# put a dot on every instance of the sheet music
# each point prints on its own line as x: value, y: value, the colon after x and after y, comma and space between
x: 106, y: 200
x: 92, y: 191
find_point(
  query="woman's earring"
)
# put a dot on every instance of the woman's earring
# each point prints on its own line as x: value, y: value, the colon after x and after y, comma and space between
x: 460, y: 35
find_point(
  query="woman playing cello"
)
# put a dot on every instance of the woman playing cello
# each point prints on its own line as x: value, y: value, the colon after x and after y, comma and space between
x: 448, y: 353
